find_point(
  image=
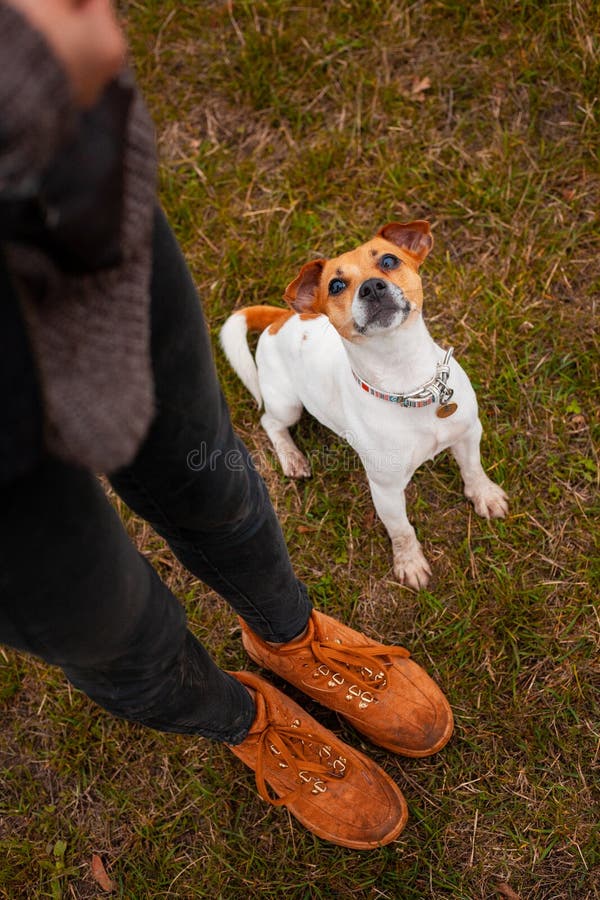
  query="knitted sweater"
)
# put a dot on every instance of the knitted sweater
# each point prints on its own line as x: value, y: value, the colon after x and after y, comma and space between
x: 81, y: 329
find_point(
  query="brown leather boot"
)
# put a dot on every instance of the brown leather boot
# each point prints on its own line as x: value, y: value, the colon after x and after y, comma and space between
x: 377, y: 688
x: 334, y: 791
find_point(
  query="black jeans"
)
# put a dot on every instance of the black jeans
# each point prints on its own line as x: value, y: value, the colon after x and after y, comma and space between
x: 75, y: 591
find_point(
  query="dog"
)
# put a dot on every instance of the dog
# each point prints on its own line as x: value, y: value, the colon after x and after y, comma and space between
x: 354, y: 351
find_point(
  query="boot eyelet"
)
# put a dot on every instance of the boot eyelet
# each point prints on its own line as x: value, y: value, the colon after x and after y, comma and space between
x: 339, y: 766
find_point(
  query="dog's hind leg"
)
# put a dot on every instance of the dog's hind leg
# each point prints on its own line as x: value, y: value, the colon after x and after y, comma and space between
x: 279, y: 415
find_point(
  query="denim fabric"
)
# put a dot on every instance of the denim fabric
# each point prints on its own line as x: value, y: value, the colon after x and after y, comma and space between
x: 75, y: 591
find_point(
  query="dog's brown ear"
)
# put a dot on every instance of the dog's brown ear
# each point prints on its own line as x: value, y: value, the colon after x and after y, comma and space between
x: 414, y: 237
x: 301, y: 293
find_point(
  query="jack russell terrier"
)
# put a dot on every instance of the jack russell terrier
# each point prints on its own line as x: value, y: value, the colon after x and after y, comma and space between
x: 355, y: 352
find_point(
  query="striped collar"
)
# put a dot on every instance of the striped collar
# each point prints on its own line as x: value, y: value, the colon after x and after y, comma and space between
x: 433, y: 391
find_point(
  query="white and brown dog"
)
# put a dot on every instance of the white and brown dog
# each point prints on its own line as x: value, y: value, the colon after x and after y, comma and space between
x: 355, y: 352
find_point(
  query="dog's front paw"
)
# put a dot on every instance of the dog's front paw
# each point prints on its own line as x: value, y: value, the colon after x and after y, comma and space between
x: 294, y: 464
x: 411, y: 568
x: 489, y: 500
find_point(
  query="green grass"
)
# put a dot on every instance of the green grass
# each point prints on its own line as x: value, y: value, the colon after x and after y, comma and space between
x: 288, y: 131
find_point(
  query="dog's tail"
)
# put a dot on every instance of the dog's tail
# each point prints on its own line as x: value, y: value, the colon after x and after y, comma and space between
x: 235, y: 345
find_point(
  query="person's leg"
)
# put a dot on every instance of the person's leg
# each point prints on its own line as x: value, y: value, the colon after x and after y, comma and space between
x: 193, y: 479
x: 75, y: 591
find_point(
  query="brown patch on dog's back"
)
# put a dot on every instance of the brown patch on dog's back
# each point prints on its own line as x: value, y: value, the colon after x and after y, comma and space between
x: 287, y: 314
x: 260, y: 317
x: 305, y: 316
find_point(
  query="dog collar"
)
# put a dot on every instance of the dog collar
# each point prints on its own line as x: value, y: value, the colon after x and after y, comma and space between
x: 433, y: 391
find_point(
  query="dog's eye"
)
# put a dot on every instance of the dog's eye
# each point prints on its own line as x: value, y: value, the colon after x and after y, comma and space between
x: 389, y: 261
x: 336, y: 286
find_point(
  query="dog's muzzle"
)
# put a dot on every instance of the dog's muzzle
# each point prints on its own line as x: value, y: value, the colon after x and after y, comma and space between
x: 378, y: 304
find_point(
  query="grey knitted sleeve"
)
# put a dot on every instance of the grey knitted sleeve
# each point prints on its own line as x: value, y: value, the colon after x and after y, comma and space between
x: 89, y: 332
x: 37, y: 111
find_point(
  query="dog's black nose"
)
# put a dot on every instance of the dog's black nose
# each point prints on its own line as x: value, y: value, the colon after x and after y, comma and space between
x: 372, y: 289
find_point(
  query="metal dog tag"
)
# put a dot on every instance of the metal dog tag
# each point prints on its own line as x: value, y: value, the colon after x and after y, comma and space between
x: 444, y: 411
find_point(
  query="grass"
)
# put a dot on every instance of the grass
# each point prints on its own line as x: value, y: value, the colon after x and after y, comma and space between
x: 287, y: 131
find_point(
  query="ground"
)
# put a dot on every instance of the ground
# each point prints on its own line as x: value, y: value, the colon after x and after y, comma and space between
x: 288, y: 131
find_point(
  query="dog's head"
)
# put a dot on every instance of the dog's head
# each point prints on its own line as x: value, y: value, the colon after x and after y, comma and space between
x: 371, y: 289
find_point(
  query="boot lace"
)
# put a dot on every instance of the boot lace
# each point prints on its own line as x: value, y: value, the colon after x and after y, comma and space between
x: 364, y: 665
x: 311, y: 762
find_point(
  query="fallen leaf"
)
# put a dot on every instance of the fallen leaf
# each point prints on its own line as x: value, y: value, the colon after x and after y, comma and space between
x: 505, y: 890
x: 368, y: 519
x: 99, y: 874
x: 418, y: 88
x: 578, y: 423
